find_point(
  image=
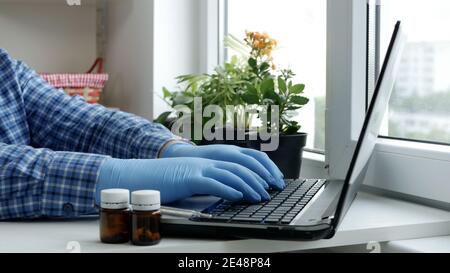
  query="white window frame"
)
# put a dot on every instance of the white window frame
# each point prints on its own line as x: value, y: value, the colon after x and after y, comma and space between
x: 412, y: 170
x: 407, y: 169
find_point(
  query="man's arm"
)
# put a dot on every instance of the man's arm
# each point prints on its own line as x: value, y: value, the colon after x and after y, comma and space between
x: 59, y: 122
x: 40, y: 182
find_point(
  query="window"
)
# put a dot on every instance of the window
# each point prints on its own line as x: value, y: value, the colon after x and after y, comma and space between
x: 420, y: 103
x: 300, y: 28
x: 335, y: 34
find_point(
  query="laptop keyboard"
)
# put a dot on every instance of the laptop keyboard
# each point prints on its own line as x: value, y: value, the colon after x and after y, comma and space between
x: 282, y: 208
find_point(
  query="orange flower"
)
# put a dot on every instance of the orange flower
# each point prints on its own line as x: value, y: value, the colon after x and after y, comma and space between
x: 255, y: 44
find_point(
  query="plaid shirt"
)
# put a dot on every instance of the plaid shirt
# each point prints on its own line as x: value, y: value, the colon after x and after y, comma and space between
x: 52, y: 145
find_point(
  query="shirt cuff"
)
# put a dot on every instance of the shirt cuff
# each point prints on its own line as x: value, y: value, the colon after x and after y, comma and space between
x: 70, y: 184
x: 174, y: 140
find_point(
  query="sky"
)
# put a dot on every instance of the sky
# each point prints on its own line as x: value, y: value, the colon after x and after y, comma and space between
x: 423, y: 20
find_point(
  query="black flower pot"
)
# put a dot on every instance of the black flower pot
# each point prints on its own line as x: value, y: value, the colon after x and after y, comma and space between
x: 233, y: 141
x: 288, y: 156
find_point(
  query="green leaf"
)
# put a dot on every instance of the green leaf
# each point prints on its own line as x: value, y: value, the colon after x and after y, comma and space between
x: 282, y: 85
x: 182, y: 99
x: 264, y: 66
x: 234, y: 60
x: 291, y: 129
x: 299, y: 100
x: 252, y: 88
x: 228, y: 67
x: 166, y: 93
x: 291, y: 108
x: 163, y: 117
x: 250, y: 98
x: 271, y: 95
x: 267, y: 85
x: 252, y: 63
x: 296, y: 89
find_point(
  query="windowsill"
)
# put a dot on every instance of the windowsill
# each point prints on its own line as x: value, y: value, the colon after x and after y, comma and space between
x: 370, y: 218
x: 416, y: 149
x: 313, y: 165
x: 411, y: 169
x: 425, y: 245
x: 408, y: 148
x: 314, y: 159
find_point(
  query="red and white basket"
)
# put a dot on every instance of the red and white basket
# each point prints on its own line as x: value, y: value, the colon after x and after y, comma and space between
x: 89, y: 85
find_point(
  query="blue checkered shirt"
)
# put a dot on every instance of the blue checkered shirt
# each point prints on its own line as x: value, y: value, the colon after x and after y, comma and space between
x: 52, y: 145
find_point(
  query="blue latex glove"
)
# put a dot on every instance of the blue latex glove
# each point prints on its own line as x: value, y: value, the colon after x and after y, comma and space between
x: 178, y: 178
x: 254, y: 160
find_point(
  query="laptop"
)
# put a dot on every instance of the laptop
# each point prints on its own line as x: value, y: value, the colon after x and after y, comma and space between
x: 307, y: 209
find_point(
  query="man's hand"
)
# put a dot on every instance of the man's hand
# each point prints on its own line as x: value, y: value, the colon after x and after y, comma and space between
x: 178, y: 178
x: 254, y: 160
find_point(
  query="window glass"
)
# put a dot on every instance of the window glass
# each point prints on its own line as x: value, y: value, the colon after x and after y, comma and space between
x: 300, y: 28
x: 420, y: 104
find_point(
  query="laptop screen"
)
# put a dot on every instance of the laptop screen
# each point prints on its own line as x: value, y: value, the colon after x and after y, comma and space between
x: 372, y: 123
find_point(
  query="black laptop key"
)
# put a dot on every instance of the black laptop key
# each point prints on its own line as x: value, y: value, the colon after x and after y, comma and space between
x: 254, y: 220
x: 243, y: 215
x: 259, y: 216
x: 272, y: 220
x: 309, y: 183
x: 276, y: 215
x: 249, y: 211
x: 221, y: 218
x: 264, y: 211
x: 281, y: 209
x: 245, y: 219
x: 234, y: 209
x: 296, y: 209
x: 226, y: 215
x: 257, y: 219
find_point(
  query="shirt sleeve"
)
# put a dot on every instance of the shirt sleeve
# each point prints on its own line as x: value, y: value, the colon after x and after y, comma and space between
x: 63, y: 123
x: 40, y: 182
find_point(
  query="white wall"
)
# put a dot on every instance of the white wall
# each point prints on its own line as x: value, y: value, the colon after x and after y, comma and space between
x: 49, y: 37
x: 148, y: 44
x: 129, y: 56
x: 176, y: 45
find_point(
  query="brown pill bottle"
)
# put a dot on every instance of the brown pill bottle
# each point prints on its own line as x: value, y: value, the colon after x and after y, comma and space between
x: 115, y: 216
x: 145, y: 218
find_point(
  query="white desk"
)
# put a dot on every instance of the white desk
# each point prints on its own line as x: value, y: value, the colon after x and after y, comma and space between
x: 371, y: 218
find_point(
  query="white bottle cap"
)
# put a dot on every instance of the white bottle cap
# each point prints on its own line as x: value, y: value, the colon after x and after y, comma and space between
x: 115, y: 198
x: 145, y: 200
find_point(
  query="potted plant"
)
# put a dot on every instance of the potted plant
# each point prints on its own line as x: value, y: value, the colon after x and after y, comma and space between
x: 276, y: 87
x: 251, y: 79
x: 224, y: 87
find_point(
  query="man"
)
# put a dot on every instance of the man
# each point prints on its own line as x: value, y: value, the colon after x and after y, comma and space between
x: 57, y: 153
